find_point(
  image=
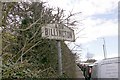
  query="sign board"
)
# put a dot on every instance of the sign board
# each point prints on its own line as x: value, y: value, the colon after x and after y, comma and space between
x: 58, y: 32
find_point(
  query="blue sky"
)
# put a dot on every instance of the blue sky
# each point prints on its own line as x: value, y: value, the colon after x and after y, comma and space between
x: 99, y: 18
x: 96, y: 47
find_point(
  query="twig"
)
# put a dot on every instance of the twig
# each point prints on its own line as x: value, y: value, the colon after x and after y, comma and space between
x: 28, y: 50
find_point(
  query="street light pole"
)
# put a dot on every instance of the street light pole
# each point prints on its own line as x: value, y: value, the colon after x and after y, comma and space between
x: 104, y: 49
x: 0, y: 40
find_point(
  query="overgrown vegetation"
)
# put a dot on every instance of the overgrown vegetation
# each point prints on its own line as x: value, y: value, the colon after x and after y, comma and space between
x: 25, y: 54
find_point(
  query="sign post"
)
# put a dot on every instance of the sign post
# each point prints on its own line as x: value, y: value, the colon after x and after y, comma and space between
x: 59, y: 57
x: 58, y: 32
x: 0, y: 40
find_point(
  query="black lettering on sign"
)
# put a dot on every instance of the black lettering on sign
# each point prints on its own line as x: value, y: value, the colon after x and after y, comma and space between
x: 64, y: 33
x: 54, y: 32
x: 46, y: 31
x: 70, y: 34
x: 50, y: 32
x: 57, y: 32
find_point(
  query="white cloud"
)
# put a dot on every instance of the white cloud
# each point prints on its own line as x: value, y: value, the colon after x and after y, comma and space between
x: 91, y: 7
x: 87, y: 7
x: 97, y: 28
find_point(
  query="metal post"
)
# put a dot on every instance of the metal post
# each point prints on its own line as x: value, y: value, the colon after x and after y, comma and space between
x: 104, y: 49
x: 59, y: 57
x: 0, y: 40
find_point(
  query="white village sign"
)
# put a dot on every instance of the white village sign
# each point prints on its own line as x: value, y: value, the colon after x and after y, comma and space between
x: 58, y: 32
